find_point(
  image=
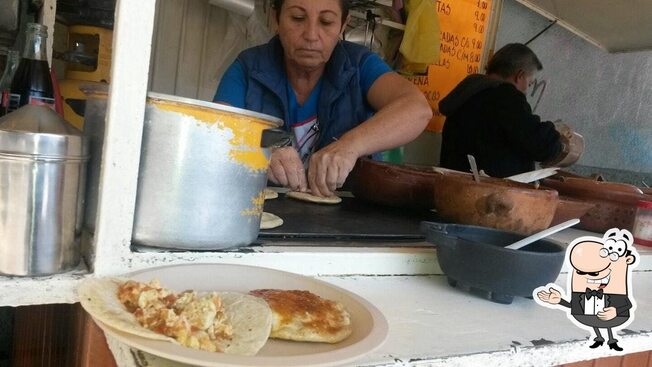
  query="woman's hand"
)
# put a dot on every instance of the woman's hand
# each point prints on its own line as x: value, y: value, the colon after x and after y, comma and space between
x: 286, y: 169
x: 403, y: 114
x: 329, y: 168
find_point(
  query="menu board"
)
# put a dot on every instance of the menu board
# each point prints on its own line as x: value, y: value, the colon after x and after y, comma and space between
x: 465, y: 32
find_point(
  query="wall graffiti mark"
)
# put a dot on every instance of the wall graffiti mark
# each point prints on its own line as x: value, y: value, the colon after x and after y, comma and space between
x: 536, y: 92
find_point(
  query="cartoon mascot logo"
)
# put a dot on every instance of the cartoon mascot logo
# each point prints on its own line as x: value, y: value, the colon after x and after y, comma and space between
x: 600, y: 283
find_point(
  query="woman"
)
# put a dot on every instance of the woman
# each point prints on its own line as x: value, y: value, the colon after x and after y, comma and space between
x: 341, y: 101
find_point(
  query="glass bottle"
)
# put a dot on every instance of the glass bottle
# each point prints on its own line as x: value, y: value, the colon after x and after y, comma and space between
x: 32, y: 83
x: 11, y: 65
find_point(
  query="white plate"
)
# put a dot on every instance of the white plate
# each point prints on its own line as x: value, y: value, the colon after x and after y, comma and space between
x: 369, y: 325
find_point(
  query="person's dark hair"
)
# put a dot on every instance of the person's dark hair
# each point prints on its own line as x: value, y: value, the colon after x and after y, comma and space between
x: 511, y: 58
x: 344, y: 4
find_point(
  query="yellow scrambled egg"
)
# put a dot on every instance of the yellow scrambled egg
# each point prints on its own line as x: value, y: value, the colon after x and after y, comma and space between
x: 194, y: 321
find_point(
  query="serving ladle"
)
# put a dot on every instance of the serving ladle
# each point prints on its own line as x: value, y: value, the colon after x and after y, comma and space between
x: 543, y: 234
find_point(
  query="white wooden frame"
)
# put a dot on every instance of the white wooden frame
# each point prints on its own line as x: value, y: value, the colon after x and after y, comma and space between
x: 133, y: 30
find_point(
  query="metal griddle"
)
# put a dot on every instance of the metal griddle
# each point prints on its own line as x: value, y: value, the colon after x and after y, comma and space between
x: 352, y: 219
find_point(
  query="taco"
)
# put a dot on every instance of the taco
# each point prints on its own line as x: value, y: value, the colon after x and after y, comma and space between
x: 228, y: 322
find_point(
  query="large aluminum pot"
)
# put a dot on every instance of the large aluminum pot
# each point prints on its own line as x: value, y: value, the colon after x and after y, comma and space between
x: 202, y: 174
x: 42, y: 180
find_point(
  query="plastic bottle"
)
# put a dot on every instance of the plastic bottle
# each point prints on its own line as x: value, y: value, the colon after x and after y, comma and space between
x: 393, y: 155
x: 32, y: 83
x: 643, y: 223
x: 5, y: 81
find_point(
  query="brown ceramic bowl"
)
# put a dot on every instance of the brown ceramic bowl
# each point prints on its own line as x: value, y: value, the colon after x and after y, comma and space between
x: 570, y: 208
x: 393, y: 185
x: 573, y: 145
x: 493, y: 202
x: 614, y: 203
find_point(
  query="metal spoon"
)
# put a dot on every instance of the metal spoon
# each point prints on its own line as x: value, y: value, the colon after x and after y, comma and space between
x: 545, y: 233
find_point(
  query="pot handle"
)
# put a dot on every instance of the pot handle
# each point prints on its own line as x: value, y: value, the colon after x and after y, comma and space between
x: 275, y: 138
x: 437, y: 234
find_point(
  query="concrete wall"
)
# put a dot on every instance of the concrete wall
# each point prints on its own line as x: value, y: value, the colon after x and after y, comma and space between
x: 605, y: 97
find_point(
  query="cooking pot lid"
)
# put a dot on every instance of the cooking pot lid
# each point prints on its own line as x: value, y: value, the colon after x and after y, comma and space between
x: 38, y: 131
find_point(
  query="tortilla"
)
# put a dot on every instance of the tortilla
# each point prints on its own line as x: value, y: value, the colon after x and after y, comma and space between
x: 306, y: 196
x: 304, y: 316
x: 270, y: 221
x: 270, y: 194
x: 250, y: 317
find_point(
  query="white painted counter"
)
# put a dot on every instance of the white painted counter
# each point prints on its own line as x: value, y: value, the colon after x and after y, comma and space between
x: 432, y: 324
x: 345, y: 258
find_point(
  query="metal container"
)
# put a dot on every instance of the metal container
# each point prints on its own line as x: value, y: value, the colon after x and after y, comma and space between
x: 202, y: 174
x: 42, y: 180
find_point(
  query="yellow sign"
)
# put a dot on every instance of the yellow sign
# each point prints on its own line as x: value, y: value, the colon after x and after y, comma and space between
x: 464, y: 27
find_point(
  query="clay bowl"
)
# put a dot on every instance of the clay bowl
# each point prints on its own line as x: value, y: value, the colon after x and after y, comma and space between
x: 574, y: 144
x: 393, y: 185
x: 614, y: 203
x: 569, y: 208
x: 493, y: 202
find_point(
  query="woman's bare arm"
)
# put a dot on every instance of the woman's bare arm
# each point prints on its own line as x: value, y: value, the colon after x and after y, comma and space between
x: 403, y: 114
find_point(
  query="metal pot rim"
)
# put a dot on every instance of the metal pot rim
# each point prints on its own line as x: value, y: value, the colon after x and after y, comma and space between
x: 275, y: 121
x: 46, y: 145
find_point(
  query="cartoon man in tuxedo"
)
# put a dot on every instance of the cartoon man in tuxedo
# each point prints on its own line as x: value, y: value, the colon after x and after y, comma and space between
x: 601, y: 295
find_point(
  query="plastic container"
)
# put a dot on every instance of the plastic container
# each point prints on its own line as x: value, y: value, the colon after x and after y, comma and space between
x: 474, y: 259
x: 643, y: 223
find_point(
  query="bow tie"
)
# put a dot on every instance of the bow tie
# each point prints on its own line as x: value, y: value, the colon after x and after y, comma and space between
x: 589, y: 293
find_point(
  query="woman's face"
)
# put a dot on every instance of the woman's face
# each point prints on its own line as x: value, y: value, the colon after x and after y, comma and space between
x: 309, y: 31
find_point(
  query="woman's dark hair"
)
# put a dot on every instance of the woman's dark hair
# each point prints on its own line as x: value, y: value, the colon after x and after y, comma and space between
x: 344, y: 4
x: 511, y: 58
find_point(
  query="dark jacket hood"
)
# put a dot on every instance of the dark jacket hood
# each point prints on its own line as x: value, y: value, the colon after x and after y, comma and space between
x: 469, y: 87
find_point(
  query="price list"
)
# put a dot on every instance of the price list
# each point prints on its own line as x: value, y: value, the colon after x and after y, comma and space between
x: 463, y: 26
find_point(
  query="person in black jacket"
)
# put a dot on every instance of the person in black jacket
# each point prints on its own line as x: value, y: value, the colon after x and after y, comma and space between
x: 489, y: 117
